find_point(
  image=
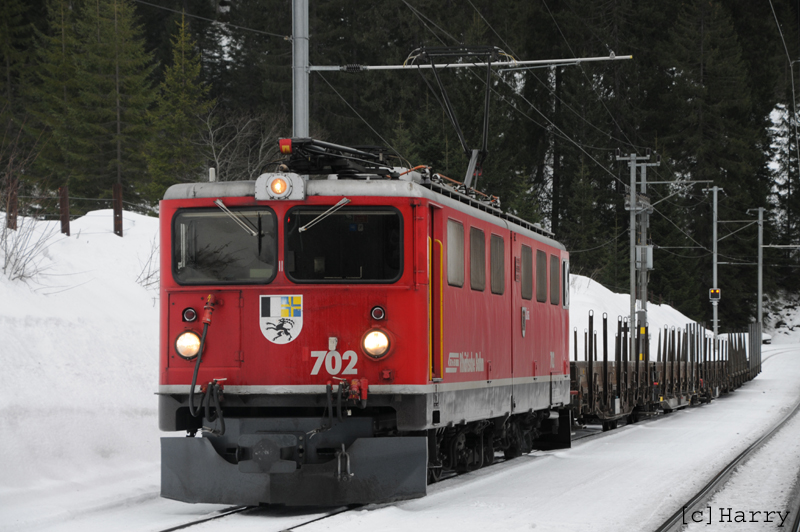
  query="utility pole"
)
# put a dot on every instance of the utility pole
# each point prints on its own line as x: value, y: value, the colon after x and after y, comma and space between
x: 715, y: 288
x: 300, y: 69
x: 714, y: 294
x: 760, y: 266
x: 634, y: 208
x: 760, y: 305
x: 645, y: 250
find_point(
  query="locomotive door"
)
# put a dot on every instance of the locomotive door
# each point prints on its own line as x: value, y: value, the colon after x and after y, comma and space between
x: 524, y: 333
x: 435, y: 292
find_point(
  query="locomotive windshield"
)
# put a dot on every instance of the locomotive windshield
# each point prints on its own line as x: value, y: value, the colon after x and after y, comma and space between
x: 212, y: 246
x: 350, y: 245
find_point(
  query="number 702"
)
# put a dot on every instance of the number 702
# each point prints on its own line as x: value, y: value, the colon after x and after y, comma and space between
x: 334, y: 361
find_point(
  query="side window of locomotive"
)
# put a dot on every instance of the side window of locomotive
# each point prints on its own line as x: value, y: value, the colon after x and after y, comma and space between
x: 498, y: 265
x: 350, y: 245
x: 455, y: 253
x: 554, y: 286
x: 477, y: 259
x: 214, y: 247
x: 565, y: 283
x: 527, y: 273
x: 541, y: 276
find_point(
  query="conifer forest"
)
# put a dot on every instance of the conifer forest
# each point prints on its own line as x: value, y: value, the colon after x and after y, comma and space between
x: 151, y: 93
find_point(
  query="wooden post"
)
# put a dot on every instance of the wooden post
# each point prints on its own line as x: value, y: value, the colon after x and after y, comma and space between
x: 63, y: 204
x: 117, y: 208
x: 12, y: 206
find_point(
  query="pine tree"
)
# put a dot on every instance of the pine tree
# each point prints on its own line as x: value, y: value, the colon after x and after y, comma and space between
x: 114, y: 97
x: 16, y: 36
x: 53, y: 93
x: 173, y: 153
x: 257, y: 75
x: 713, y: 136
x: 586, y: 236
x: 404, y: 143
x: 15, y: 47
x: 787, y: 190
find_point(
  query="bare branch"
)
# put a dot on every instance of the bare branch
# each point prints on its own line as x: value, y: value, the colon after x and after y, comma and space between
x: 240, y: 146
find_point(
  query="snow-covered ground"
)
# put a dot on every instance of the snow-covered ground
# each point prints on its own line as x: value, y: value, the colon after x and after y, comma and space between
x: 80, y: 439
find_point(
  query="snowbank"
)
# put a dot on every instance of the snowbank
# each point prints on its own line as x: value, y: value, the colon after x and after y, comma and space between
x: 79, y: 351
x: 586, y: 295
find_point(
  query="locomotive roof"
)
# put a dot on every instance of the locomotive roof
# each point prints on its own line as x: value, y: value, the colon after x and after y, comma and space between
x: 409, y: 185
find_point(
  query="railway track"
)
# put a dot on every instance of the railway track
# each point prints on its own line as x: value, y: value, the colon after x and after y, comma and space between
x: 283, y: 512
x: 796, y: 511
x: 218, y: 515
x: 677, y: 520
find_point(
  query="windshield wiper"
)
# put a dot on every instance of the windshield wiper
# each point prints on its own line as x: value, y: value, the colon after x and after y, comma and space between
x: 242, y: 222
x: 342, y: 203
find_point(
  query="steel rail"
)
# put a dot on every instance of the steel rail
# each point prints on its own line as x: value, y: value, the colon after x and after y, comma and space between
x: 675, y: 521
x: 796, y: 523
x: 337, y: 512
x: 239, y: 509
x: 223, y: 513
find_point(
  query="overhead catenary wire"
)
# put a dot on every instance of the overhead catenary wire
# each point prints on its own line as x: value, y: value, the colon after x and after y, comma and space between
x: 681, y: 230
x: 555, y: 129
x: 550, y: 122
x: 665, y: 250
x: 610, y: 114
x: 402, y: 158
x: 561, y: 133
x: 666, y: 162
x: 599, y: 98
x: 491, y: 28
x: 547, y: 87
x: 558, y: 133
x: 419, y: 15
x: 608, y: 242
x: 284, y: 37
x: 794, y: 97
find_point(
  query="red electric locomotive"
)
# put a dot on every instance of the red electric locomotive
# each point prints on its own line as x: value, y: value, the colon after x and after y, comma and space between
x: 346, y: 339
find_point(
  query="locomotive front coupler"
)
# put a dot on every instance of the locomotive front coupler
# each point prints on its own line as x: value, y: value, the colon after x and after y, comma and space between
x: 343, y: 473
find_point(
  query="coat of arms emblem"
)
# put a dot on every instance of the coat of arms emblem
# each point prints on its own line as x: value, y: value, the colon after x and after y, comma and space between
x: 281, y: 318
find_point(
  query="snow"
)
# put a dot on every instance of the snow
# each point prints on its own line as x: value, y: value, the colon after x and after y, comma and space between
x: 586, y: 295
x: 80, y: 446
x: 783, y: 319
x: 762, y: 484
x: 78, y: 348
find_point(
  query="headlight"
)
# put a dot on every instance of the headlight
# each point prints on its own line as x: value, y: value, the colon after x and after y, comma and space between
x: 188, y: 344
x: 278, y: 186
x: 376, y: 343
